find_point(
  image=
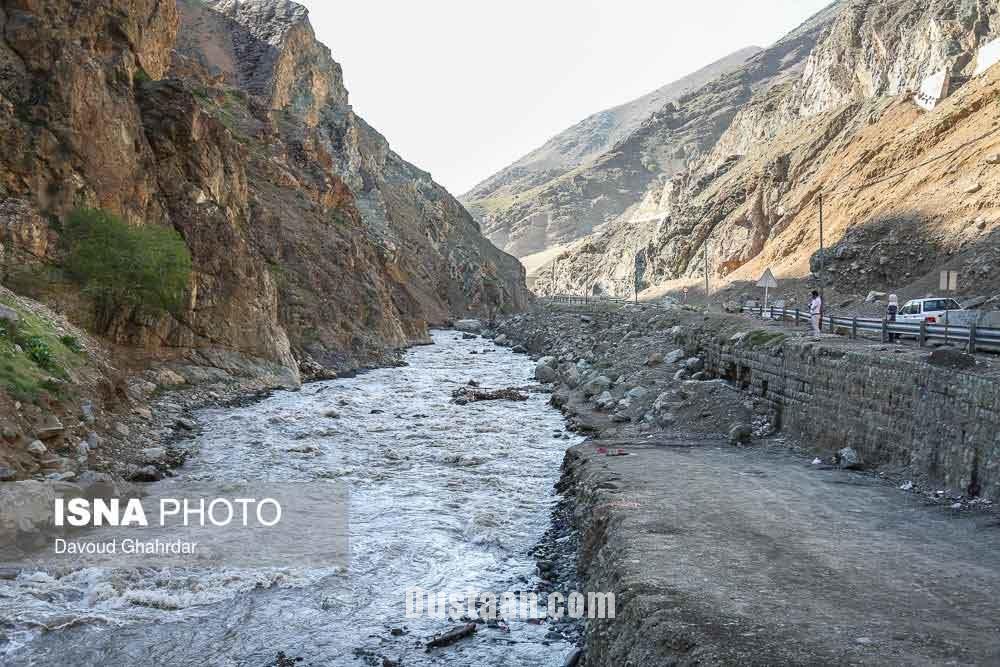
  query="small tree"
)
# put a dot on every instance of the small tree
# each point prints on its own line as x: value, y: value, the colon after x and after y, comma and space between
x: 146, y: 268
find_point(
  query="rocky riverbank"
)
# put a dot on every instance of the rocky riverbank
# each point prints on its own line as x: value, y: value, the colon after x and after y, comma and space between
x: 727, y: 536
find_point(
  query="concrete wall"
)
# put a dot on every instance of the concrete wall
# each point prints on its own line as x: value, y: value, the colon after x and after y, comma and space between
x: 941, y: 423
x: 989, y: 55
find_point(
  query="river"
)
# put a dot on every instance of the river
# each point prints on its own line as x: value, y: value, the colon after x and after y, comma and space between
x: 442, y: 497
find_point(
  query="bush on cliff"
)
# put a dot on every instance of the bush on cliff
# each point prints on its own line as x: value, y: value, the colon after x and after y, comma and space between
x: 145, y: 268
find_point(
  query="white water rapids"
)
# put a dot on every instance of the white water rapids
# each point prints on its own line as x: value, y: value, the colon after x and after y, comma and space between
x: 442, y: 497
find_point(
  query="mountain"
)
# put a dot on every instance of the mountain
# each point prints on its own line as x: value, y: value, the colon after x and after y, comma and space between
x: 514, y: 204
x: 228, y: 121
x: 909, y: 188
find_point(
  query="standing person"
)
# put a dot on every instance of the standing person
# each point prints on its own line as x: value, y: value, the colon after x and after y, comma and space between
x: 816, y: 312
x: 891, y: 311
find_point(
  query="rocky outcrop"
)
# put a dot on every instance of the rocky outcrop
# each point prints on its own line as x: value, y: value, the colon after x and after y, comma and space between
x: 229, y: 122
x: 840, y: 123
x: 553, y: 195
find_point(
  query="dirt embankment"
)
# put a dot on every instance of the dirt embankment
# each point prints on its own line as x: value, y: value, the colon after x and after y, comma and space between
x: 761, y: 553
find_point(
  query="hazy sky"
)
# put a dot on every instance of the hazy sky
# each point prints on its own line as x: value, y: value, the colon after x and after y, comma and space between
x: 463, y: 88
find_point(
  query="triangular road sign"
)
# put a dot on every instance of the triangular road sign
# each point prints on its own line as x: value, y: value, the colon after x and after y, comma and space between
x: 767, y: 280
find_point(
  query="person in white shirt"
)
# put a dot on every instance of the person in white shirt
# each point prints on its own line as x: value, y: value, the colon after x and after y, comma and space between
x: 816, y: 311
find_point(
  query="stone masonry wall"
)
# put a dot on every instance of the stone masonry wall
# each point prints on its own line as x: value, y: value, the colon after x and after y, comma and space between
x: 938, y: 422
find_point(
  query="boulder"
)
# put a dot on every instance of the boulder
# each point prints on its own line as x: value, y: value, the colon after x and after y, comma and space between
x: 146, y: 473
x: 168, y: 378
x: 874, y: 296
x: 637, y: 394
x: 35, y: 502
x: 740, y: 434
x: 605, y: 400
x: 9, y: 315
x: 596, y: 386
x: 153, y: 455
x: 49, y: 428
x: 37, y: 448
x: 186, y: 424
x: 654, y: 359
x: 848, y: 459
x: 572, y: 377
x: 501, y: 339
x: 674, y: 357
x: 469, y: 326
x: 694, y: 364
x: 681, y: 374
x: 545, y: 374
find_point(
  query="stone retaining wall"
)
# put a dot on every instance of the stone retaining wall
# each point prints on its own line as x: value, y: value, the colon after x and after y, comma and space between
x: 938, y: 422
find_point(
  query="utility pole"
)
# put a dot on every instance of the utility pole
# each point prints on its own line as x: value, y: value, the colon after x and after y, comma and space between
x: 708, y: 292
x: 822, y: 264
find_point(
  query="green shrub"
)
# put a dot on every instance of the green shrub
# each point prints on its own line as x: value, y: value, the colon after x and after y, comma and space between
x: 37, y: 350
x: 146, y: 267
x: 71, y: 343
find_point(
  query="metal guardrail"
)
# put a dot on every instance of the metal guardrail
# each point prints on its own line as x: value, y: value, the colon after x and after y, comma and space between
x: 583, y: 304
x: 574, y: 300
x: 972, y: 336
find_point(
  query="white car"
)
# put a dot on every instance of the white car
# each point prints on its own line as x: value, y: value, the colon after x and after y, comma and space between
x: 931, y: 311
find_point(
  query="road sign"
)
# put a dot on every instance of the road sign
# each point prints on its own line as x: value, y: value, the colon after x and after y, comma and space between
x: 767, y: 280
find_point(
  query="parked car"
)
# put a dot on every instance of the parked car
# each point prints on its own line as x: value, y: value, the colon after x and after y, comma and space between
x: 931, y: 311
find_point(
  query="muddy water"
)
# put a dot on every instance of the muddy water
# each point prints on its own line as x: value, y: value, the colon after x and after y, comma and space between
x: 442, y: 497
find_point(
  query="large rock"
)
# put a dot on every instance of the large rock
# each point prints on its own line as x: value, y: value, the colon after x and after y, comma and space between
x: 49, y: 428
x: 28, y: 507
x: 545, y: 374
x: 596, y: 386
x: 740, y: 434
x: 848, y: 459
x: 9, y: 315
x: 674, y: 357
x: 469, y: 326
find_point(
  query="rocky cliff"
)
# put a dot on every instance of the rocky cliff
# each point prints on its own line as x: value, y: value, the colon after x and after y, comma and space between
x: 553, y: 195
x: 909, y: 187
x: 228, y: 121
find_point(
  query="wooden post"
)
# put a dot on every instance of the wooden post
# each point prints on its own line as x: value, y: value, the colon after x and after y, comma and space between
x: 972, y: 337
x: 946, y: 327
x: 854, y: 328
x: 796, y: 317
x: 885, y: 330
x: 923, y: 333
